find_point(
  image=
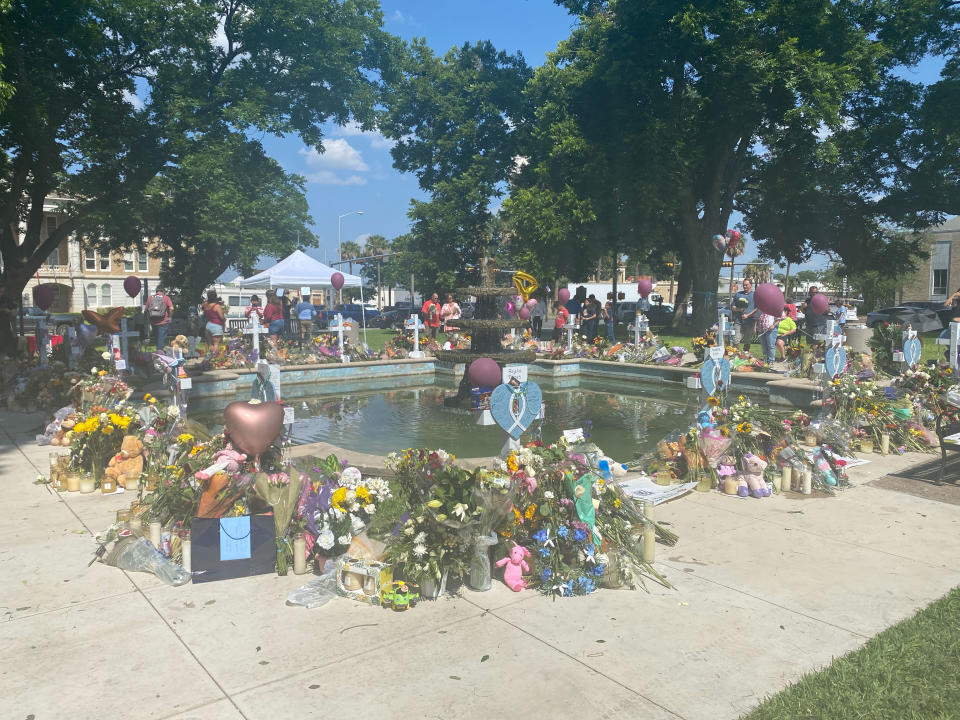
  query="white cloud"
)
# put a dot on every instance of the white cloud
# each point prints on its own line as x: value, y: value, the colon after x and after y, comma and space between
x: 338, y: 156
x: 361, y: 239
x: 352, y: 129
x: 133, y: 99
x: 399, y: 17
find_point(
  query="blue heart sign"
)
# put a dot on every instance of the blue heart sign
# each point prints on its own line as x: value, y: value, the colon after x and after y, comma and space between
x: 515, y: 408
x: 912, y: 350
x: 835, y: 361
x: 715, y: 374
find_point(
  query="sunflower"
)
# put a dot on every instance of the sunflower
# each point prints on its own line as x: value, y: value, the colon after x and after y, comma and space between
x: 744, y: 428
x: 338, y: 498
x: 713, y: 401
x: 531, y: 511
x: 725, y: 431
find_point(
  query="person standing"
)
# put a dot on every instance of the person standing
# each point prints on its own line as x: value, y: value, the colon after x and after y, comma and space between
x: 743, y: 300
x: 431, y: 315
x: 562, y: 318
x: 766, y: 327
x: 273, y: 316
x: 305, y: 313
x: 254, y: 308
x: 215, y: 319
x: 537, y: 315
x: 159, y: 313
x: 588, y: 318
x: 608, y: 320
x: 450, y: 311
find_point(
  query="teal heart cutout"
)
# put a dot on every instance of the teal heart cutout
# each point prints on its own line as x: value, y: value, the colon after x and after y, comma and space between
x: 912, y: 351
x: 714, y: 374
x: 835, y: 361
x: 515, y: 411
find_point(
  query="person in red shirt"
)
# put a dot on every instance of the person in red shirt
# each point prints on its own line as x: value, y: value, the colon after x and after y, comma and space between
x: 561, y: 319
x: 431, y: 315
x: 159, y: 311
x: 273, y: 316
x: 791, y: 309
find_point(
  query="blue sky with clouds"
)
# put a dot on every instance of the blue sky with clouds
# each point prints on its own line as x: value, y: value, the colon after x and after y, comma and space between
x: 355, y: 171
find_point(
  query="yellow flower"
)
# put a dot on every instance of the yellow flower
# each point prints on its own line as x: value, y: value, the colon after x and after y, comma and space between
x: 195, y: 449
x: 512, y: 464
x: 338, y: 497
x: 517, y: 516
x: 184, y: 438
x: 616, y: 502
x: 102, y: 373
x: 713, y: 401
x: 363, y: 495
x: 107, y: 429
x: 725, y: 432
x: 531, y: 510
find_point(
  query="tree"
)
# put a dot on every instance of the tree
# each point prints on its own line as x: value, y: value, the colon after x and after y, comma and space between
x: 224, y: 205
x: 701, y: 88
x: 349, y: 250
x: 107, y: 93
x: 373, y: 247
x: 454, y: 120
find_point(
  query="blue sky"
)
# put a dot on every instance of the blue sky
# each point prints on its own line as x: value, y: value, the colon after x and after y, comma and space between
x: 355, y: 172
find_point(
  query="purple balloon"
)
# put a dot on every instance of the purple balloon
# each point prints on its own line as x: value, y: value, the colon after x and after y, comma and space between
x: 510, y: 307
x: 769, y: 299
x: 43, y: 296
x: 819, y: 304
x: 644, y: 287
x: 484, y: 372
x: 531, y: 303
x: 719, y: 243
x: 524, y: 313
x: 336, y: 280
x: 132, y: 285
x: 563, y: 295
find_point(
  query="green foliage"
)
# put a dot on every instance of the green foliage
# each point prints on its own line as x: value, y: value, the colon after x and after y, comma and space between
x: 109, y: 93
x: 907, y: 671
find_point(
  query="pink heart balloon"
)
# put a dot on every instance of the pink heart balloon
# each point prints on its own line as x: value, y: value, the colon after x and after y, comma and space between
x: 563, y: 295
x: 253, y: 428
x: 524, y: 313
x: 336, y: 280
x: 532, y: 303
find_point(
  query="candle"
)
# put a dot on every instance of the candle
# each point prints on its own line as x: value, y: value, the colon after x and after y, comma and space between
x: 663, y: 477
x: 186, y: 548
x: 807, y: 481
x: 866, y: 445
x: 786, y: 473
x: 649, y: 550
x: 136, y: 525
x: 87, y: 483
x: 155, y: 534
x: 810, y: 439
x: 885, y: 443
x: 299, y: 555
x: 123, y: 518
x: 73, y: 481
x: 108, y: 485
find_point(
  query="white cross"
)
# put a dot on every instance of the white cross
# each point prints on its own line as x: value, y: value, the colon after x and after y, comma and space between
x: 414, y: 322
x: 722, y: 330
x: 953, y: 342
x: 570, y: 327
x: 640, y: 325
x: 255, y: 329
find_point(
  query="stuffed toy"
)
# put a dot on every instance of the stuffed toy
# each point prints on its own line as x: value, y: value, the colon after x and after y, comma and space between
x: 581, y: 489
x: 754, y: 466
x: 730, y: 483
x: 128, y: 463
x: 513, y: 573
x: 64, y: 435
x: 227, y: 460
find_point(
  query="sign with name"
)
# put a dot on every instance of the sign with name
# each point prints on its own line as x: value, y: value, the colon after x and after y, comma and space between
x: 573, y: 436
x: 716, y: 352
x: 514, y: 373
x: 288, y: 416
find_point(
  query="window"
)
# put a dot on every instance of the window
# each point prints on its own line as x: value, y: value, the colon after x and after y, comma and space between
x: 939, y: 270
x: 104, y: 260
x: 128, y: 261
x: 90, y: 260
x: 91, y: 296
x: 939, y: 282
x: 50, y: 227
x: 233, y: 300
x: 142, y: 260
x: 105, y: 297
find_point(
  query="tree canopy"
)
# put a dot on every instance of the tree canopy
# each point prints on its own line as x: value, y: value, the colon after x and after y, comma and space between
x: 108, y: 93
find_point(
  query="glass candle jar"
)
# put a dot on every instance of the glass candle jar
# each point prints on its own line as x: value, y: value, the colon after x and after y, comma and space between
x: 87, y: 483
x: 123, y: 518
x: 136, y: 525
x: 73, y: 480
x: 108, y: 485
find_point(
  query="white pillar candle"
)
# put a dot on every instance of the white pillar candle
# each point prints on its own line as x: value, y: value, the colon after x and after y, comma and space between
x: 649, y: 547
x: 885, y: 443
x: 786, y: 473
x: 807, y: 482
x: 299, y: 555
x: 155, y: 534
x: 87, y: 483
x: 186, y: 550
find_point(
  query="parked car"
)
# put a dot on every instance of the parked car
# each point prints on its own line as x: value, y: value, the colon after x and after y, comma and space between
x: 349, y: 311
x: 389, y: 319
x: 922, y: 319
x: 946, y: 313
x: 57, y: 323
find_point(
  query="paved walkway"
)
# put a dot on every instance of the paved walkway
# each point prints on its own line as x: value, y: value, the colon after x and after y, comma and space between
x: 766, y: 591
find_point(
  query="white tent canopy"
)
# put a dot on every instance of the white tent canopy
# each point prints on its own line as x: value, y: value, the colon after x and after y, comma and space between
x: 295, y: 271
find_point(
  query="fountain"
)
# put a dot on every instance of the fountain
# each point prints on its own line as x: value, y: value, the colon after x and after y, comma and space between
x: 486, y: 332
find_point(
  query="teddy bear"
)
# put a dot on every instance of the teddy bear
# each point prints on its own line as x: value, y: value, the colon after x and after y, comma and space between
x: 513, y: 573
x: 753, y: 466
x: 227, y: 461
x: 128, y: 463
x: 727, y: 472
x: 64, y: 435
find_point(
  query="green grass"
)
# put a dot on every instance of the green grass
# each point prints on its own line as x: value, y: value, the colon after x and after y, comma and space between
x: 907, y: 672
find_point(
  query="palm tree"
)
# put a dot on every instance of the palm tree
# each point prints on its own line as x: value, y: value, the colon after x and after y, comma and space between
x: 349, y: 250
x: 377, y: 245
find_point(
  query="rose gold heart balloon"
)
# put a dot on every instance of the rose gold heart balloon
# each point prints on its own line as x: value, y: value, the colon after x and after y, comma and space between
x: 253, y: 428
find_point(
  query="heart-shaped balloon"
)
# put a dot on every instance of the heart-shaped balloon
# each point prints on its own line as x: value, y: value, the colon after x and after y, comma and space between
x: 515, y: 409
x: 253, y: 427
x: 106, y: 324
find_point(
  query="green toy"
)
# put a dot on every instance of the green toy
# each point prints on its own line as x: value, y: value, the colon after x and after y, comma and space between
x: 400, y: 598
x: 581, y: 491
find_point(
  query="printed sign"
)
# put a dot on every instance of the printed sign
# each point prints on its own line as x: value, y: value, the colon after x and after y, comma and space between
x: 235, y: 538
x: 514, y: 374
x: 716, y: 352
x: 288, y: 415
x: 573, y: 436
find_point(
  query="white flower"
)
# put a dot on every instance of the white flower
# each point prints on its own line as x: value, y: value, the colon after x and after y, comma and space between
x: 345, y: 539
x: 370, y: 508
x: 356, y: 525
x: 94, y: 371
x: 419, y: 550
x: 326, y: 540
x: 105, y: 355
x: 173, y: 411
x: 408, y: 531
x: 460, y: 510
x: 420, y: 538
x: 548, y: 494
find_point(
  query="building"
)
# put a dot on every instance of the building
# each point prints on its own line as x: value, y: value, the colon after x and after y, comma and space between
x: 937, y: 277
x: 87, y: 279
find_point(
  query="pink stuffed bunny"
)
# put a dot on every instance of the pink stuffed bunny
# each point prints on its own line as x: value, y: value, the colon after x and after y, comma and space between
x: 513, y: 573
x: 227, y: 460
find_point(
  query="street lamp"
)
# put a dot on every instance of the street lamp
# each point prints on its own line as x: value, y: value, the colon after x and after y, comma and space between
x: 339, y: 243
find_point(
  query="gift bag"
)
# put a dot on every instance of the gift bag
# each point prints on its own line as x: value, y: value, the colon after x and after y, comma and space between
x: 233, y: 547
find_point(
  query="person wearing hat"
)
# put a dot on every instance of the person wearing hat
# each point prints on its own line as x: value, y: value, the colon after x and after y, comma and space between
x: 159, y: 312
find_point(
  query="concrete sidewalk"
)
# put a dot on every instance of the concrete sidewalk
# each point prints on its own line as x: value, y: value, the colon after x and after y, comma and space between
x: 766, y: 591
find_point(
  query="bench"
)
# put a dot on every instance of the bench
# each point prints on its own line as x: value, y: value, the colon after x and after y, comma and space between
x: 944, y: 430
